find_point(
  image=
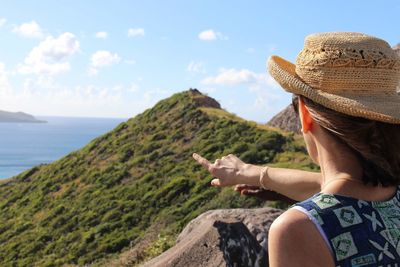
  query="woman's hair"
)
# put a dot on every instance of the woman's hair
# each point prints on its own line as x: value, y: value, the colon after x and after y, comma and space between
x: 376, y: 144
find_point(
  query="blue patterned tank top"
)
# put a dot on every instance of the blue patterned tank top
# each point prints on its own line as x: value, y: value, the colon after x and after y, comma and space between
x: 358, y: 232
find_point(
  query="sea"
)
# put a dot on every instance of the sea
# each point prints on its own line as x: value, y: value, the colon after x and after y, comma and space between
x: 25, y: 145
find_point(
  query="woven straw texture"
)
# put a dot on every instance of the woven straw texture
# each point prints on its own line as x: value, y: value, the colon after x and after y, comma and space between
x: 352, y: 73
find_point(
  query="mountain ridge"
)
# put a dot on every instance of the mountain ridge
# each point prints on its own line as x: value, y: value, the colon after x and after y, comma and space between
x: 134, y: 187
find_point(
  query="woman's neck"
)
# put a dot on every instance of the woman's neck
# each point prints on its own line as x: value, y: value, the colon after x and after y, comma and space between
x: 342, y: 174
x: 338, y: 162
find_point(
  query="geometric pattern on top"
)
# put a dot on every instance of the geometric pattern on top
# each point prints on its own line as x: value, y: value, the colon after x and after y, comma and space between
x: 324, y: 201
x: 359, y: 232
x: 344, y: 246
x: 347, y: 216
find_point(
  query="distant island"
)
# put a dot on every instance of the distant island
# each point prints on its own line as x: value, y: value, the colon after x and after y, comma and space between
x: 6, y: 116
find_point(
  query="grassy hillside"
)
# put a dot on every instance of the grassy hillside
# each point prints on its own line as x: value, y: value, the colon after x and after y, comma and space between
x: 137, y: 182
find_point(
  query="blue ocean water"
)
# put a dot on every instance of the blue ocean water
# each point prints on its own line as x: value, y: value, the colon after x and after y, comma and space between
x: 24, y: 145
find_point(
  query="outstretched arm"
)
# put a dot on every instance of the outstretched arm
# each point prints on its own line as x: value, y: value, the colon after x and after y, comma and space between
x: 295, y: 184
x: 230, y: 170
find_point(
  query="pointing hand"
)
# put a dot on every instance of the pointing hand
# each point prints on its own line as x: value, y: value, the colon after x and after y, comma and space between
x: 227, y: 170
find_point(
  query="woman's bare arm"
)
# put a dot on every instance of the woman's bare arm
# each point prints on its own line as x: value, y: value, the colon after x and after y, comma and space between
x: 230, y: 170
x: 295, y: 184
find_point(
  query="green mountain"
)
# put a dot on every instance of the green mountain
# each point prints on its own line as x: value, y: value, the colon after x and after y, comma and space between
x: 135, y: 187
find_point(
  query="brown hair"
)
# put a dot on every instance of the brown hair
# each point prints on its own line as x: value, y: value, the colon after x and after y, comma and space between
x: 376, y: 144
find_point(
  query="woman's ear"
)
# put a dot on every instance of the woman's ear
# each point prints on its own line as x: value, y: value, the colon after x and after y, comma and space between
x: 305, y: 116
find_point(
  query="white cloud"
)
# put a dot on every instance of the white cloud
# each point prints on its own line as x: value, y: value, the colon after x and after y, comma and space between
x: 51, y: 55
x: 133, y: 88
x: 45, y: 97
x: 208, y: 35
x: 239, y: 77
x: 196, y: 67
x: 211, y: 35
x: 3, y: 76
x: 42, y: 95
x: 29, y: 30
x: 266, y: 103
x: 104, y: 58
x: 92, y: 71
x: 5, y: 86
x: 2, y: 21
x: 101, y: 35
x: 135, y: 32
x: 260, y: 86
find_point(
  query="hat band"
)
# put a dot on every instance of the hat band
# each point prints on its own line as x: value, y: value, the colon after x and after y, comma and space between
x: 338, y: 69
x: 369, y: 81
x: 335, y: 57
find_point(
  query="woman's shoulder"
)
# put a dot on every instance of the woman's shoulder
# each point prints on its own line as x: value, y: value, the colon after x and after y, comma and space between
x: 294, y: 222
x: 295, y: 238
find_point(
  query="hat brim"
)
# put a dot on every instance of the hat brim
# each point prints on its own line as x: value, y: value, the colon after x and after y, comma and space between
x: 384, y: 108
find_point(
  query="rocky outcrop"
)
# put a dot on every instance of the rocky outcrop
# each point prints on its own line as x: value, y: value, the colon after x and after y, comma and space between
x: 234, y: 237
x: 397, y: 48
x: 203, y: 100
x: 286, y: 120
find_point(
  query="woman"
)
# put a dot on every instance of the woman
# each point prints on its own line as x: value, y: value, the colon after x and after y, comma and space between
x: 346, y: 88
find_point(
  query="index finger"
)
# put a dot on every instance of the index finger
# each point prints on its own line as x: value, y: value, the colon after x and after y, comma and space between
x: 204, y: 162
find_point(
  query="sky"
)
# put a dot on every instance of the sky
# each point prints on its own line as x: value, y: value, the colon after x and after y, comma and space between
x: 118, y: 58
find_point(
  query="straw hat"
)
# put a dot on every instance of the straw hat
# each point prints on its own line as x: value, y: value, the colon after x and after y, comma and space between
x: 349, y: 72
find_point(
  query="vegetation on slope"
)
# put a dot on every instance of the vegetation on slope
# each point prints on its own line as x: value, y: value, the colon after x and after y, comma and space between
x: 133, y: 181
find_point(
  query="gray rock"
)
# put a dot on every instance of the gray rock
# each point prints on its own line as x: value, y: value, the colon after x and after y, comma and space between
x: 234, y: 237
x: 397, y: 48
x: 286, y: 120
